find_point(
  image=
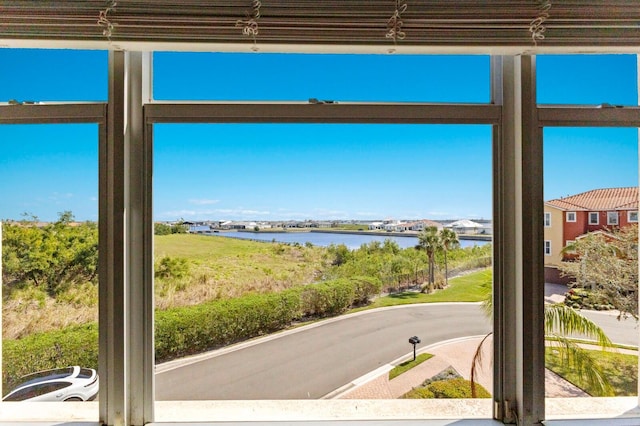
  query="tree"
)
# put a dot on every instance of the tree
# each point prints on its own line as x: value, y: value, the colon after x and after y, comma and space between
x: 448, y: 241
x: 606, y: 264
x: 52, y: 256
x: 429, y: 241
x: 561, y: 322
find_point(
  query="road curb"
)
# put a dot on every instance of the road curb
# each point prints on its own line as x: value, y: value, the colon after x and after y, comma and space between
x: 366, y: 378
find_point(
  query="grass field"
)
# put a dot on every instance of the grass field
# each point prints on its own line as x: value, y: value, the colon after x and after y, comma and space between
x: 222, y: 267
x: 472, y: 287
x: 620, y: 369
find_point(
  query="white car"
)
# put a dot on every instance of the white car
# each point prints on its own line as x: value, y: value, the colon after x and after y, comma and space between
x: 62, y: 384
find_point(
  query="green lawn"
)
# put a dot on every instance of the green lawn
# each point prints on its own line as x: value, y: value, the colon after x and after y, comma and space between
x: 467, y: 288
x: 620, y: 369
x: 408, y: 365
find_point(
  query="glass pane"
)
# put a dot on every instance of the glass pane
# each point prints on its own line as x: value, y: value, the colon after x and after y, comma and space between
x: 587, y: 79
x: 39, y: 75
x: 289, y: 225
x: 49, y: 211
x: 341, y: 78
x: 591, y: 262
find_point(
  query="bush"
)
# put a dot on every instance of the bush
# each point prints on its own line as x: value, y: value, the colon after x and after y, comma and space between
x: 327, y: 298
x: 365, y: 288
x: 189, y: 330
x: 452, y: 388
x: 193, y: 329
x: 172, y: 267
x: 42, y: 351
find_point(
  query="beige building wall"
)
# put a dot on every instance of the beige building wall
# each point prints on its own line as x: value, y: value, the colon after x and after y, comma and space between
x: 554, y: 234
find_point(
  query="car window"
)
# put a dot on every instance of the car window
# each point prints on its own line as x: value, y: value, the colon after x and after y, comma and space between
x: 85, y: 373
x: 50, y: 387
x: 37, y: 390
x: 59, y: 373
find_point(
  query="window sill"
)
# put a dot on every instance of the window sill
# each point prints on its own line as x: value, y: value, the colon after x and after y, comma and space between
x: 559, y: 411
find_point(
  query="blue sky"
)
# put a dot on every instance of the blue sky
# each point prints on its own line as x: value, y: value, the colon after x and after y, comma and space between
x: 306, y: 171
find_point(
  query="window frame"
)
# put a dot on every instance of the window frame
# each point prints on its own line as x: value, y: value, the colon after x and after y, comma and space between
x: 629, y: 216
x: 547, y: 247
x: 571, y: 214
x: 597, y: 216
x: 127, y: 397
x: 80, y: 113
x: 610, y: 216
x: 547, y: 219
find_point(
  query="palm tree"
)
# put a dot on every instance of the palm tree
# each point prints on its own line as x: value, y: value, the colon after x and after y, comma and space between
x: 428, y: 241
x: 560, y: 322
x: 448, y: 241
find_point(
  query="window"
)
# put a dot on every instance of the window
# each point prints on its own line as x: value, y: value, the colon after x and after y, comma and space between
x: 610, y: 174
x: 53, y: 75
x: 339, y: 78
x: 334, y: 175
x: 612, y: 218
x: 632, y: 217
x: 547, y: 219
x: 587, y: 79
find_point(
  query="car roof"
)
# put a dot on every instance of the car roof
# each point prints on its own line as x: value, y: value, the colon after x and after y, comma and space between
x: 47, y: 375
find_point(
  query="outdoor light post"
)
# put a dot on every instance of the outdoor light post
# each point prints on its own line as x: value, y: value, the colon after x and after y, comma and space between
x: 414, y: 341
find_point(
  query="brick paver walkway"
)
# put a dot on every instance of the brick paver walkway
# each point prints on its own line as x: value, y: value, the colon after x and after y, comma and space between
x: 456, y: 354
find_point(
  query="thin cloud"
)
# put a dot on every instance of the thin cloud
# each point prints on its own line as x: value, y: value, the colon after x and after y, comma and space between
x: 203, y: 201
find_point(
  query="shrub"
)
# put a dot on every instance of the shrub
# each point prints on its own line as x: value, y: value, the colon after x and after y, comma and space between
x: 327, y: 298
x: 42, y: 351
x: 451, y: 388
x: 172, y: 268
x: 365, y: 288
x: 189, y: 330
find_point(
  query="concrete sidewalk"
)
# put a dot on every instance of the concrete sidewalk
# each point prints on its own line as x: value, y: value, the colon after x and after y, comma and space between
x: 457, y: 354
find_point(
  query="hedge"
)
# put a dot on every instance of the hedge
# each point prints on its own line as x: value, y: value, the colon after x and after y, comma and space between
x: 43, y: 351
x: 193, y: 329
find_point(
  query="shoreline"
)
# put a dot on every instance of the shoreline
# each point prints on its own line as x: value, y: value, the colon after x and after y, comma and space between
x: 478, y: 237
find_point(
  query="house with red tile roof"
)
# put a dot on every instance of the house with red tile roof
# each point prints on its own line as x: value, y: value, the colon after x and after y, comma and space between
x: 568, y: 218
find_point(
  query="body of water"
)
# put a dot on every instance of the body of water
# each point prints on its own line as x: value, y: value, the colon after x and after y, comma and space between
x: 324, y: 239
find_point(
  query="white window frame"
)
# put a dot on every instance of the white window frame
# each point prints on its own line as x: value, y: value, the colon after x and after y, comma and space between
x: 610, y: 215
x: 629, y: 218
x: 569, y: 215
x: 547, y: 219
x: 547, y: 247
x: 126, y: 322
x: 597, y: 216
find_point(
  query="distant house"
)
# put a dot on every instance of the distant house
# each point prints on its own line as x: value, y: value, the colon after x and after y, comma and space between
x: 465, y: 226
x: 425, y: 223
x: 569, y: 218
x: 375, y: 226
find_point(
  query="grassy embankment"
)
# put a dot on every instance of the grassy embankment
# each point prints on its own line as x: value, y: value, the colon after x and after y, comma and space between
x: 224, y: 268
x: 210, y: 268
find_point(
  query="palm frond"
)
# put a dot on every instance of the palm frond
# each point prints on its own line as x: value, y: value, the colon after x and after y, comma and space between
x: 476, y: 363
x: 561, y: 320
x: 578, y: 360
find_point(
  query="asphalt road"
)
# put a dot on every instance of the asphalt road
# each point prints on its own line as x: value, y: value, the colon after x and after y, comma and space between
x: 315, y: 361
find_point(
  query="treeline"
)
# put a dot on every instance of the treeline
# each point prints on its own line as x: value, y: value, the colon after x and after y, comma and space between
x: 398, y: 268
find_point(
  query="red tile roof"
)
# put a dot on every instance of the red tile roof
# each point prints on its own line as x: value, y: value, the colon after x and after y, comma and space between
x: 599, y: 199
